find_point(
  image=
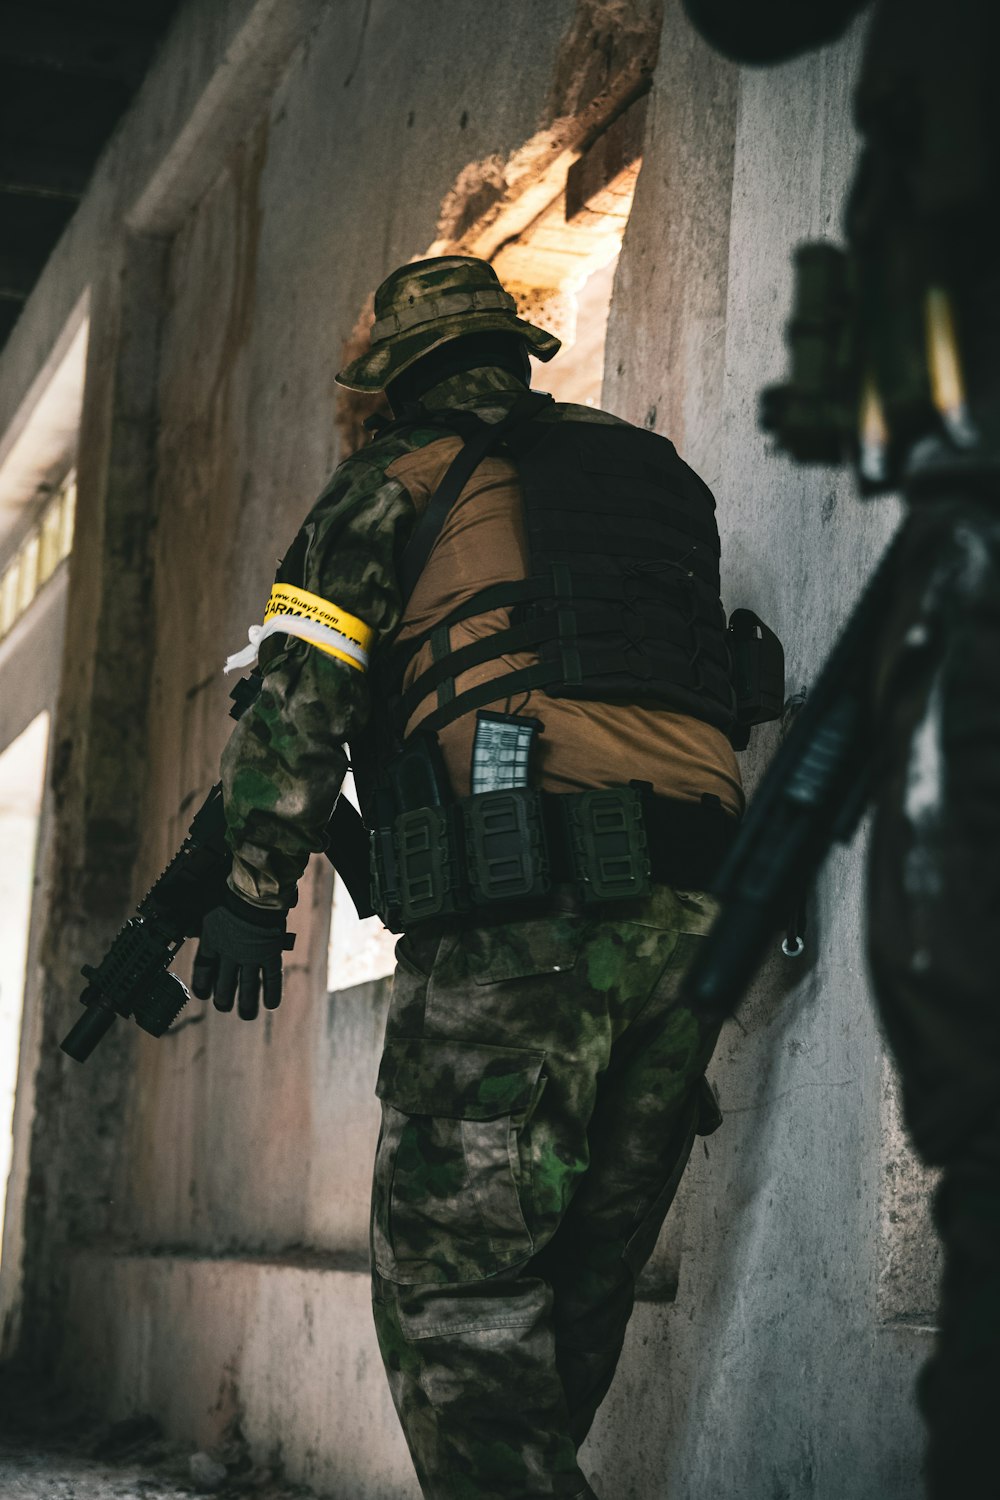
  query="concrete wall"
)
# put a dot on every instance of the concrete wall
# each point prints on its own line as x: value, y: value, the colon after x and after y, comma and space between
x: 197, y: 1218
x: 204, y: 90
x: 281, y: 243
x: 777, y: 1363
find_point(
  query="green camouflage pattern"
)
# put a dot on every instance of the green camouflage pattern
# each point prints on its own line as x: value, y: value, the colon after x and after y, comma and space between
x: 540, y: 1089
x: 285, y: 761
x: 540, y: 1082
x: 424, y: 304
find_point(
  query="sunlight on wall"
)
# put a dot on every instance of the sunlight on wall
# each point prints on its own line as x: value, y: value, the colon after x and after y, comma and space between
x: 39, y: 553
x: 577, y: 372
x: 22, y: 777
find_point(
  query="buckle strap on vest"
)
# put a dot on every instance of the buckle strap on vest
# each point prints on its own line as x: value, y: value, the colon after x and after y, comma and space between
x: 542, y: 675
x: 584, y: 588
x: 497, y: 690
x: 626, y: 655
x: 527, y: 635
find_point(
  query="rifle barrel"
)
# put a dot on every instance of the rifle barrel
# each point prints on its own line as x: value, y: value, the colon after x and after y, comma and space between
x: 812, y: 794
x: 95, y: 1023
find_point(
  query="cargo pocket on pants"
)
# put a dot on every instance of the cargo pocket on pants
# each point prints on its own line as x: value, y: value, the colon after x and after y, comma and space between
x: 450, y: 1188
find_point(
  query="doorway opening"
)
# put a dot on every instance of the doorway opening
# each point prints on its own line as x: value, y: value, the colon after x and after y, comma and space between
x: 561, y: 268
x: 22, y: 780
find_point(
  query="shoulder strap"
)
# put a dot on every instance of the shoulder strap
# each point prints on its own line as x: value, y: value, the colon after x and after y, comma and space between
x: 475, y: 448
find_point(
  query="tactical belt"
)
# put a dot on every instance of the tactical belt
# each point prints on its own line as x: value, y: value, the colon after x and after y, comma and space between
x: 499, y: 852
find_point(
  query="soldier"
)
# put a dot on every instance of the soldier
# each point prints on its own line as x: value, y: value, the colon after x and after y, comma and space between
x: 921, y: 308
x: 510, y: 608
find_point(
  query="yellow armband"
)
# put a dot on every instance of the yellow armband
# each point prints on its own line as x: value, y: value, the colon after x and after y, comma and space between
x: 336, y: 632
x: 292, y: 611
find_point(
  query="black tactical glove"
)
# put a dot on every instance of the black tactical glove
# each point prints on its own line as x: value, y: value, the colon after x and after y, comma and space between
x: 240, y: 949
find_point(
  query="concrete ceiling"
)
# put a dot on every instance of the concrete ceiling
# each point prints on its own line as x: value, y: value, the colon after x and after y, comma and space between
x: 68, y: 70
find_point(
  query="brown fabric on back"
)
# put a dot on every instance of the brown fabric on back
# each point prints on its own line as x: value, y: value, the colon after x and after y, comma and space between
x: 584, y: 744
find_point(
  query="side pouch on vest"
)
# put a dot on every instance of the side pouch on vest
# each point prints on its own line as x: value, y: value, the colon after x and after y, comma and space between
x: 384, y: 867
x: 608, y: 842
x: 417, y: 868
x: 758, y: 660
x: 505, y: 846
x: 428, y: 854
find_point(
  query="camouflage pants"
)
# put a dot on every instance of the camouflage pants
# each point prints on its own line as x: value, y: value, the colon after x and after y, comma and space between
x: 540, y: 1090
x: 933, y: 902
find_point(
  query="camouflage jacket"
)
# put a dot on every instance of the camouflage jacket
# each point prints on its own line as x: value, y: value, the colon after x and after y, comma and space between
x: 283, y: 767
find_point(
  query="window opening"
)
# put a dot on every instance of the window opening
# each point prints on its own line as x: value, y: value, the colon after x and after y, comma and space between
x: 577, y: 373
x: 561, y: 268
x: 22, y: 778
x: 46, y: 545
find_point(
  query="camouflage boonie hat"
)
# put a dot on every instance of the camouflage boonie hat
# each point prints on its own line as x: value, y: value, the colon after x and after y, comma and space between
x: 425, y: 304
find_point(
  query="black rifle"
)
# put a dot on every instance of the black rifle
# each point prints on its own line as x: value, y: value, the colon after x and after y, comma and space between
x: 133, y: 978
x: 812, y: 795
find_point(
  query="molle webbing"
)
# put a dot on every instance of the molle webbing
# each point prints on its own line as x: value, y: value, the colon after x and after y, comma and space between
x: 622, y: 602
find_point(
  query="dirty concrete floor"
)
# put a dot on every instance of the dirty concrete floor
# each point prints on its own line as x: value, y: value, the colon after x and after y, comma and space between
x: 51, y: 1449
x: 60, y: 1476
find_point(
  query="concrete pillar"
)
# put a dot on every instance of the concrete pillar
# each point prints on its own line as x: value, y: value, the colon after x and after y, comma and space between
x: 98, y: 768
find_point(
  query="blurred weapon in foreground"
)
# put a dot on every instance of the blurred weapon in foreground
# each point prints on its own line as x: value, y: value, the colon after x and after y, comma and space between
x: 812, y: 795
x: 819, y: 782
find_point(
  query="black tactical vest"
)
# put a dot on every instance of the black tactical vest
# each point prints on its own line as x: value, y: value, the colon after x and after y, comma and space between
x: 621, y: 599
